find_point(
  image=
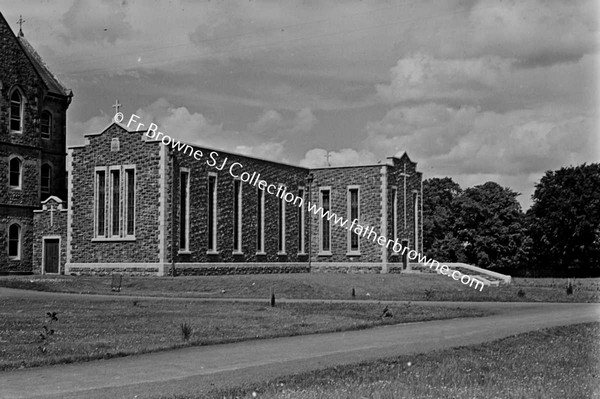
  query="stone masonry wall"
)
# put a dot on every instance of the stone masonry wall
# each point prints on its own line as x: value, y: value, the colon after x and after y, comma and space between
x: 24, y: 217
x: 368, y: 179
x: 85, y: 248
x: 413, y: 183
x: 274, y: 173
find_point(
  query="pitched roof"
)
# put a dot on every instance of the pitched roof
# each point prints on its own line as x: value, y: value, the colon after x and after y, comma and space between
x: 53, y: 84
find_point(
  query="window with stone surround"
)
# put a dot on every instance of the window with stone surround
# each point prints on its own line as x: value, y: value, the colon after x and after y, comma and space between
x: 129, y: 202
x: 46, y: 125
x: 15, y: 172
x: 394, y: 213
x: 237, y: 216
x: 46, y: 179
x: 260, y: 221
x: 281, y: 227
x: 301, y: 222
x: 416, y: 219
x: 184, y: 210
x: 353, y: 214
x: 14, y: 241
x: 212, y: 212
x: 324, y: 223
x: 114, y: 203
x: 100, y: 203
x: 16, y: 111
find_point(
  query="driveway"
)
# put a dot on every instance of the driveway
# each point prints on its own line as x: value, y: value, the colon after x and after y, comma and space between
x: 197, y: 370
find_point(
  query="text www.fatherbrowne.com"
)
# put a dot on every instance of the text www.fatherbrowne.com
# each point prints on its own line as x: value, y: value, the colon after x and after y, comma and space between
x: 236, y: 170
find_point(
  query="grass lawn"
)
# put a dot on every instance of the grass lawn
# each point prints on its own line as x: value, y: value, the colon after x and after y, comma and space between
x: 560, y: 362
x: 94, y: 328
x: 409, y: 287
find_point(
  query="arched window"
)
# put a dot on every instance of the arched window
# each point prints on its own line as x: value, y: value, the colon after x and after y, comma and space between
x: 15, y: 172
x: 14, y: 241
x: 46, y: 125
x: 16, y: 111
x: 46, y: 178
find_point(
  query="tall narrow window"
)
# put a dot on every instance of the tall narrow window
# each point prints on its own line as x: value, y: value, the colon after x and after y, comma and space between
x: 100, y: 202
x: 184, y: 209
x: 237, y: 216
x: 46, y: 178
x: 260, y: 221
x: 16, y: 111
x: 212, y: 213
x: 130, y: 202
x: 354, y: 213
x: 281, y: 226
x: 15, y: 166
x: 115, y: 177
x: 325, y: 229
x: 14, y: 241
x: 416, y: 219
x: 394, y: 213
x: 46, y: 125
x: 301, y: 227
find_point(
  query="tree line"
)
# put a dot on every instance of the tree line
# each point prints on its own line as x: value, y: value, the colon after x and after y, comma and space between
x: 485, y: 226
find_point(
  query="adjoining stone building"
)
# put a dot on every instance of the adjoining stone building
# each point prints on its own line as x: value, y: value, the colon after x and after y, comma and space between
x: 33, y: 105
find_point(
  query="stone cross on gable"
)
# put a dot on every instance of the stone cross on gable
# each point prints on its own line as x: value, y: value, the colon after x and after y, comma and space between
x: 116, y: 106
x: 405, y: 175
x: 21, y: 21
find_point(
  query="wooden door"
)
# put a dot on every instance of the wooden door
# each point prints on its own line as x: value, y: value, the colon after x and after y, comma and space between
x: 51, y: 255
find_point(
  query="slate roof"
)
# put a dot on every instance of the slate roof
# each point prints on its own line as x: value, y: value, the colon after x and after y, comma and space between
x: 53, y: 84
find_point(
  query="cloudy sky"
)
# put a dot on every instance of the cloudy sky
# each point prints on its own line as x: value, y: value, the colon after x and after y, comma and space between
x: 477, y: 90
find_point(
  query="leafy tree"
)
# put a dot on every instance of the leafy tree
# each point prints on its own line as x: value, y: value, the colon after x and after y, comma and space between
x: 447, y: 249
x: 438, y: 220
x: 489, y: 223
x: 482, y: 225
x: 565, y: 221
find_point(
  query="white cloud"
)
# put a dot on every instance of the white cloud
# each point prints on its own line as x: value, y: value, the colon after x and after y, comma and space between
x: 473, y: 143
x: 423, y: 77
x: 469, y: 140
x: 304, y: 121
x: 271, y: 123
x: 270, y: 120
x: 271, y: 151
x: 93, y: 125
x: 107, y: 23
x: 181, y: 124
x: 530, y: 32
x: 535, y: 32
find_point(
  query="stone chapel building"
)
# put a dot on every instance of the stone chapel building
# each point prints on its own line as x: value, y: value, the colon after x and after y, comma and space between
x: 134, y: 205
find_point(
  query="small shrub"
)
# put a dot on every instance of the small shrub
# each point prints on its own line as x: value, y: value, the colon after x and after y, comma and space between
x: 46, y: 334
x: 521, y: 293
x: 186, y: 331
x: 569, y: 288
x: 387, y: 312
x: 428, y: 293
